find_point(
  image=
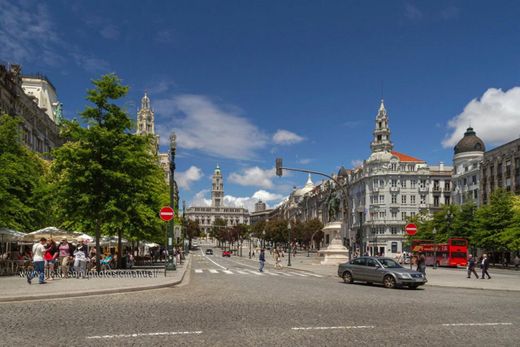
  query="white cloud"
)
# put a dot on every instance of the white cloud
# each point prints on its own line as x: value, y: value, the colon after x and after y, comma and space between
x: 185, y: 178
x: 202, y: 125
x: 248, y: 202
x: 90, y: 63
x: 266, y: 196
x: 286, y: 137
x: 26, y: 30
x: 305, y: 161
x: 495, y: 118
x: 253, y: 176
x: 356, y: 163
x: 199, y: 199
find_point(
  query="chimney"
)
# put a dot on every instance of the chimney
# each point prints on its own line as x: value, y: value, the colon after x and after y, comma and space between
x: 441, y: 166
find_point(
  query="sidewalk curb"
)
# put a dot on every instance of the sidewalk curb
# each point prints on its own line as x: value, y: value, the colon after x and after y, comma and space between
x: 98, y: 292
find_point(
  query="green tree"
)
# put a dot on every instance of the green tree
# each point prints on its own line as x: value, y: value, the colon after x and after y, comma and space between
x: 313, y: 231
x: 218, y: 230
x: 24, y: 203
x: 107, y: 179
x: 192, y: 230
x: 276, y: 231
x: 510, y: 237
x: 493, y: 220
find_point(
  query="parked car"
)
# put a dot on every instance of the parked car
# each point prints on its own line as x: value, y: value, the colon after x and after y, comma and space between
x: 226, y: 254
x: 209, y: 251
x: 380, y: 270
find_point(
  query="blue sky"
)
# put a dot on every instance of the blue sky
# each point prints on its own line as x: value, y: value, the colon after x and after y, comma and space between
x: 243, y: 82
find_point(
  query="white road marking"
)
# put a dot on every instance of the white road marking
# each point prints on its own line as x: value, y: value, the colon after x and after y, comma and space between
x: 286, y: 274
x: 255, y: 273
x: 228, y: 272
x: 242, y: 272
x: 145, y: 334
x: 332, y: 328
x: 213, y: 271
x: 199, y: 271
x: 474, y: 324
x: 298, y: 274
x: 311, y: 274
x: 211, y: 260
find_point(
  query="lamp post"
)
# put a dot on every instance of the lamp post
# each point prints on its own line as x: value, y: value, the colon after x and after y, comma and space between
x: 434, y: 231
x: 343, y: 190
x: 170, y: 264
x: 289, y: 248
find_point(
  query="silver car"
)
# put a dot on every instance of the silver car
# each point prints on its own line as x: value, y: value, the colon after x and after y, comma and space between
x: 380, y: 270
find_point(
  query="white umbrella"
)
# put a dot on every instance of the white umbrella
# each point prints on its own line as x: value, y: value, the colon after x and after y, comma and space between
x: 48, y: 232
x: 10, y: 234
x: 85, y: 237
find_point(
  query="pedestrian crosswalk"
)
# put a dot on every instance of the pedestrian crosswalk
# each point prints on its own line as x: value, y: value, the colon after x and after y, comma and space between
x: 255, y: 273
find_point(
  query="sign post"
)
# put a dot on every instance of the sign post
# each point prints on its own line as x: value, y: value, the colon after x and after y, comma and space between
x: 167, y: 213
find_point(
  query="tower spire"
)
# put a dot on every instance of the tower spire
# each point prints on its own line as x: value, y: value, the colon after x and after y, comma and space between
x: 381, y: 141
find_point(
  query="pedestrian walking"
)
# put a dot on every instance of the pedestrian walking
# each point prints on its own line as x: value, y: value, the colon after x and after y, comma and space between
x: 38, y: 251
x: 421, y: 264
x: 471, y: 266
x: 261, y: 260
x: 485, y: 266
x: 516, y: 261
x: 278, y: 260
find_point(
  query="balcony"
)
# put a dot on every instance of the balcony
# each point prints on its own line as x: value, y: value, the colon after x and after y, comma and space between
x: 394, y: 189
x: 423, y: 189
x: 423, y: 206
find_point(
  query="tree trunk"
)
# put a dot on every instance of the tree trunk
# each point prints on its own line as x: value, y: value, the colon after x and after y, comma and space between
x: 119, y: 250
x: 98, y: 246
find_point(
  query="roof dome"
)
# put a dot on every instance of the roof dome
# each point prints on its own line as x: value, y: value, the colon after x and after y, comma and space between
x: 306, y: 189
x: 470, y: 143
x: 343, y: 172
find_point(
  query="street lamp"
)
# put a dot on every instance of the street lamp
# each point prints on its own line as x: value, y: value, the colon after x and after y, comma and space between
x: 434, y: 231
x: 343, y: 190
x: 289, y: 229
x: 170, y: 264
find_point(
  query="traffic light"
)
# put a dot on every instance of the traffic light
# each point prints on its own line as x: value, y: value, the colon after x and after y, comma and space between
x: 279, y: 171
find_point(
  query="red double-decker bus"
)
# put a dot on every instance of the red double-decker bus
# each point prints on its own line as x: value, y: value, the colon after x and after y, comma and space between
x: 454, y: 253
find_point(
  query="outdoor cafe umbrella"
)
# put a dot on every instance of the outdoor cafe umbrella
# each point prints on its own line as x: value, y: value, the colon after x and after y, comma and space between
x: 7, y: 236
x: 48, y: 233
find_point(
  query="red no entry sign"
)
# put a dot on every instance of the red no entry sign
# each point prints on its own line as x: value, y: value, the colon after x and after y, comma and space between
x: 166, y: 213
x: 411, y: 229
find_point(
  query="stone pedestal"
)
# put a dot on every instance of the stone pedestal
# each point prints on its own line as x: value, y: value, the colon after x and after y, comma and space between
x: 335, y: 253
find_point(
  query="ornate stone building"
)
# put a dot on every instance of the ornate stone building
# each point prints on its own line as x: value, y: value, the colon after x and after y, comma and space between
x: 34, y: 100
x: 206, y: 215
x: 500, y: 169
x: 389, y: 188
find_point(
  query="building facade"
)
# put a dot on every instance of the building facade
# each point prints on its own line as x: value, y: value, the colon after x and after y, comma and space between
x: 389, y: 188
x: 500, y: 169
x: 34, y: 100
x: 206, y: 215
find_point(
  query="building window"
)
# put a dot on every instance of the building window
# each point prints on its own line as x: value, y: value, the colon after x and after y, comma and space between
x: 412, y: 199
x: 403, y: 183
x: 394, y: 245
x: 423, y: 184
x: 394, y: 167
x: 412, y: 214
x: 403, y: 199
x: 423, y: 199
x: 446, y: 200
x: 394, y: 215
x: 436, y: 201
x: 393, y: 230
x: 403, y: 216
x: 394, y: 183
x: 394, y: 198
x: 381, y: 199
x: 413, y: 183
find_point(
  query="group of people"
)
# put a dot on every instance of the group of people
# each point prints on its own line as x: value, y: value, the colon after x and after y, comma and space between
x: 50, y: 260
x: 49, y: 257
x: 483, y: 262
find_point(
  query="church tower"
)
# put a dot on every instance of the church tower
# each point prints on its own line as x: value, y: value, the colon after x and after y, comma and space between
x: 217, y: 192
x: 145, y: 118
x: 381, y: 141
